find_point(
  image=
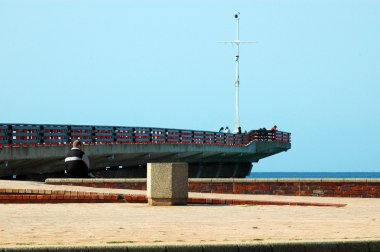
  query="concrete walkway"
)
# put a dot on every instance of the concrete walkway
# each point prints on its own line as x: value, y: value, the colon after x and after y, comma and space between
x: 135, y: 224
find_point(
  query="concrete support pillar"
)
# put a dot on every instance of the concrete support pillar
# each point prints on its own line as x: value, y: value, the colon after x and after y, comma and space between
x: 167, y: 184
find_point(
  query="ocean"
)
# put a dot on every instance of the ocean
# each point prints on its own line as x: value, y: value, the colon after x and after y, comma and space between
x: 314, y: 175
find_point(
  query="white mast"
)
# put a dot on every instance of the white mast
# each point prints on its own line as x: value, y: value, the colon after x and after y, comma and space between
x: 237, y: 42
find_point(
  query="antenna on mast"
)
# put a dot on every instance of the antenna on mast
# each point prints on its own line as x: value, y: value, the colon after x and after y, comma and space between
x: 237, y: 42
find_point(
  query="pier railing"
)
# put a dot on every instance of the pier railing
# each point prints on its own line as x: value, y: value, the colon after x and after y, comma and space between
x: 15, y: 135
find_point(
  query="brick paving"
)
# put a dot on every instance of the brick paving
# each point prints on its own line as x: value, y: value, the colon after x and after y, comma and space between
x: 37, y: 192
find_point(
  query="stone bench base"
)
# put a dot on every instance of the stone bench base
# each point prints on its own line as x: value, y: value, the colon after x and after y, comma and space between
x: 167, y: 184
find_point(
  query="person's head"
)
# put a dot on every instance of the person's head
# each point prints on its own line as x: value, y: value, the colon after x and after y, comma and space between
x: 78, y: 144
x: 226, y: 127
x: 275, y: 126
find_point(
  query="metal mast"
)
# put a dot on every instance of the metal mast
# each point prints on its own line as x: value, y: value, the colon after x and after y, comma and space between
x: 237, y: 42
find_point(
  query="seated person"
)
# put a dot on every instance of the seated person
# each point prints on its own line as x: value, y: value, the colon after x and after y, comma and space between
x: 77, y: 162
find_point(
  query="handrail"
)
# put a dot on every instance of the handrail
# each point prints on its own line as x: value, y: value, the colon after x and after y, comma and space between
x: 15, y: 135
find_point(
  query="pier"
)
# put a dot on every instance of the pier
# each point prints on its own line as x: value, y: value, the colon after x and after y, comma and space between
x: 34, y: 149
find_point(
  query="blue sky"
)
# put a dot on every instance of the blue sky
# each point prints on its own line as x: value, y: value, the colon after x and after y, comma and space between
x: 315, y: 71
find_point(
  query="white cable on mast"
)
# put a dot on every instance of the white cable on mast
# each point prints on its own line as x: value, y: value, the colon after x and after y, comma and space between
x: 237, y: 42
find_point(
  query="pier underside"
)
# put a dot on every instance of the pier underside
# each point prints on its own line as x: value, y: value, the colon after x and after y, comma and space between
x: 129, y: 160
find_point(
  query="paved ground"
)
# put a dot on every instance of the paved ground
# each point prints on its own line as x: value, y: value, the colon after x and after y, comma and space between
x: 118, y: 223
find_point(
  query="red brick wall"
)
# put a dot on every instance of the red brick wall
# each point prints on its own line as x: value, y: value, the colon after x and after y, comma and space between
x: 328, y: 188
x: 368, y: 188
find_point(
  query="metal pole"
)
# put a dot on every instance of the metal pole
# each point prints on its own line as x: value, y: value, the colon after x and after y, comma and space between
x: 237, y: 42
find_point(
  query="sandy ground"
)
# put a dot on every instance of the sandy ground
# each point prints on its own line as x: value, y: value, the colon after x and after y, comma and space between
x: 121, y: 223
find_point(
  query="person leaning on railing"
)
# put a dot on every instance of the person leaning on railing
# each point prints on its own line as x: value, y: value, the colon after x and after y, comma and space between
x: 273, y: 132
x: 226, y: 130
x: 239, y: 130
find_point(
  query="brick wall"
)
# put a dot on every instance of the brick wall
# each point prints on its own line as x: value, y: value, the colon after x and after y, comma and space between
x: 368, y: 188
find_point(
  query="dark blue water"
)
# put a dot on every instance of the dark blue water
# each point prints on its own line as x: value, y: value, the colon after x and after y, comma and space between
x: 314, y: 175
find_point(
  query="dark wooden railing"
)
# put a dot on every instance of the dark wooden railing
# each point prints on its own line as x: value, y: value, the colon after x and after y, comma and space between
x: 15, y: 135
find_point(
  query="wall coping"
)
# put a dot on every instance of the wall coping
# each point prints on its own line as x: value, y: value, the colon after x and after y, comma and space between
x: 322, y: 246
x: 215, y: 180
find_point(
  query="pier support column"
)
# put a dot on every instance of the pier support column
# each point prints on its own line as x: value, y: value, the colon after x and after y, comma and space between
x: 167, y: 184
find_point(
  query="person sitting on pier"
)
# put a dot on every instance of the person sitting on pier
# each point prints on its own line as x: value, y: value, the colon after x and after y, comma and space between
x: 77, y: 162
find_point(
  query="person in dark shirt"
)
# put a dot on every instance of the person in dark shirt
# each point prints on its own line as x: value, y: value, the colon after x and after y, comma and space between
x: 265, y: 134
x: 77, y: 162
x: 273, y: 133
